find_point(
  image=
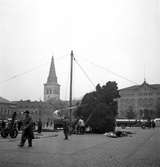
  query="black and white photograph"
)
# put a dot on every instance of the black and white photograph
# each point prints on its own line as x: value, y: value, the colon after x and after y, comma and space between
x: 79, y: 83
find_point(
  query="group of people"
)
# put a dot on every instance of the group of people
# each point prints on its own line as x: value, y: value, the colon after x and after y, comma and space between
x: 27, y: 128
x: 80, y: 126
x: 150, y: 124
x: 77, y: 128
x: 27, y: 125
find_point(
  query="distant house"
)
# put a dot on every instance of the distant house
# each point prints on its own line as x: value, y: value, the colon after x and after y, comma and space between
x: 139, y: 100
x: 6, y: 108
x: 38, y: 109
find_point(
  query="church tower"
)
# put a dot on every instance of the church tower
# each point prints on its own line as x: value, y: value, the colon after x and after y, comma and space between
x: 52, y: 88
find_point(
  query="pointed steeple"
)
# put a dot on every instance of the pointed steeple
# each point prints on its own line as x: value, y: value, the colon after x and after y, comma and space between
x: 52, y: 78
x: 144, y: 82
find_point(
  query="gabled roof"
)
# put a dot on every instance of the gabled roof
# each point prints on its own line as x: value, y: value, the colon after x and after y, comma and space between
x: 3, y: 100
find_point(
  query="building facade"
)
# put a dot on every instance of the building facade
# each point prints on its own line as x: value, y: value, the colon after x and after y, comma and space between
x: 7, y: 109
x: 37, y: 109
x: 52, y: 88
x: 140, y: 100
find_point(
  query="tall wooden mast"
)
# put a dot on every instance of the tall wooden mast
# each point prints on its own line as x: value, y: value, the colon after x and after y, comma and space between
x: 71, y: 78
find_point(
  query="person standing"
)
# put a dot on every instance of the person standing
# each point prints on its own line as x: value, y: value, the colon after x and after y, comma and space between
x: 39, y: 126
x: 81, y: 126
x: 27, y: 130
x: 153, y: 124
x: 3, y: 124
x: 19, y: 125
x: 66, y: 128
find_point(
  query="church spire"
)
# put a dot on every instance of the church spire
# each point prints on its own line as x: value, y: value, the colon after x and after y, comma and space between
x: 52, y: 78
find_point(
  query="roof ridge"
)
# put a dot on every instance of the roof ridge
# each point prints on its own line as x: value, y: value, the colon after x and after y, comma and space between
x: 3, y: 100
x: 154, y: 86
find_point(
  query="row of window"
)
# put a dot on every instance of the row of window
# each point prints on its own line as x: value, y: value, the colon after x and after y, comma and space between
x: 146, y: 102
x: 5, y: 111
x: 127, y: 94
x: 134, y: 100
x: 139, y: 94
x: 145, y: 94
x: 9, y: 112
x: 52, y: 91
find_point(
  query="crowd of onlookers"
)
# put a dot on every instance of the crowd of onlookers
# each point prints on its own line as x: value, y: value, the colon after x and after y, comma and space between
x: 19, y: 125
x: 76, y: 127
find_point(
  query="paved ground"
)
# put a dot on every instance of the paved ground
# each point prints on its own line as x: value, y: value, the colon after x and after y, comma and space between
x: 141, y: 149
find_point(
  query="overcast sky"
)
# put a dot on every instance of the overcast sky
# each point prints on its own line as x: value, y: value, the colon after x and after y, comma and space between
x: 122, y: 36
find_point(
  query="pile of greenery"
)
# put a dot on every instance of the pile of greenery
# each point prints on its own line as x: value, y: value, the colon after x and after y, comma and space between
x: 99, y: 108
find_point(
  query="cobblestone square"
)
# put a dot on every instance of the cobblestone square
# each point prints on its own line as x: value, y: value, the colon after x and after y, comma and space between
x: 141, y: 149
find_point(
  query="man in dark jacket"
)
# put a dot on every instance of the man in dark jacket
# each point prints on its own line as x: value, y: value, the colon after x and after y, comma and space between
x: 27, y: 130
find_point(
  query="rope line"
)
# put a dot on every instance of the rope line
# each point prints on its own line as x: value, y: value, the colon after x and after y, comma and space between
x: 23, y: 73
x: 85, y: 73
x: 28, y: 71
x: 110, y: 71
